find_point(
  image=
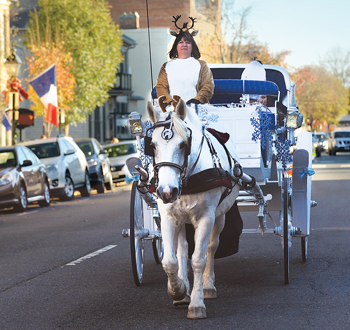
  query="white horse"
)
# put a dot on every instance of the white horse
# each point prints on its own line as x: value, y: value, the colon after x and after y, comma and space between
x: 205, y: 210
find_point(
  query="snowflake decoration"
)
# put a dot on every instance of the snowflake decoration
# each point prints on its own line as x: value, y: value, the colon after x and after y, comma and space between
x: 283, y: 155
x: 205, y: 117
x: 145, y: 159
x: 261, y: 126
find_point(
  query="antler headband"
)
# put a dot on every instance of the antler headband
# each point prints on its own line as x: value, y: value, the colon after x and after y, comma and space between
x: 184, y: 27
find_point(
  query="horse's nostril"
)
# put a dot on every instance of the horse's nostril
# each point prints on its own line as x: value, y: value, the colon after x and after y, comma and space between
x: 174, y: 193
x: 168, y: 195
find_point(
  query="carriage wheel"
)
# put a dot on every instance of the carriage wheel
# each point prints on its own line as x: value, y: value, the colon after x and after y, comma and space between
x: 286, y: 232
x: 157, y: 244
x: 136, y: 242
x: 304, y: 248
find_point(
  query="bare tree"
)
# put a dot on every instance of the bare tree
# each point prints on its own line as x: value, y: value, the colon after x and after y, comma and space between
x: 233, y: 41
x: 337, y: 61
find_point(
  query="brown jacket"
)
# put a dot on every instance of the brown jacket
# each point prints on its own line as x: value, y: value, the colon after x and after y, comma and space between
x: 205, y: 85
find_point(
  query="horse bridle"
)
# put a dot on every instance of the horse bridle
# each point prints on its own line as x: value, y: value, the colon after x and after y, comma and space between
x: 167, y: 134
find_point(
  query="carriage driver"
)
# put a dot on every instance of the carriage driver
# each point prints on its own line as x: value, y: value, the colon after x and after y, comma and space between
x: 185, y: 74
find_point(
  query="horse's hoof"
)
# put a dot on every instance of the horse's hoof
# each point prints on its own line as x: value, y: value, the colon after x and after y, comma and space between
x: 196, y: 313
x: 178, y: 295
x: 210, y: 293
x: 184, y: 302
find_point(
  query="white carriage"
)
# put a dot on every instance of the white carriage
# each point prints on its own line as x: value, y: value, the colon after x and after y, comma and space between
x: 272, y: 178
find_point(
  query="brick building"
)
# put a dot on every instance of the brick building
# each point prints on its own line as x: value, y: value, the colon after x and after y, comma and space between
x: 161, y: 12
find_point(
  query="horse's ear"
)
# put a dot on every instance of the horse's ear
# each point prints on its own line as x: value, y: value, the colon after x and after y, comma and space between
x: 151, y: 112
x: 181, y: 109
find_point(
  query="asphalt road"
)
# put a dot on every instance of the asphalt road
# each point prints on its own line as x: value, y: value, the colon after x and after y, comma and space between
x: 68, y: 267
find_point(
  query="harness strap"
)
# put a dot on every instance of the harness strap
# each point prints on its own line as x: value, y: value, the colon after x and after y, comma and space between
x: 196, y: 161
x: 214, y: 155
x: 229, y: 156
x: 225, y: 194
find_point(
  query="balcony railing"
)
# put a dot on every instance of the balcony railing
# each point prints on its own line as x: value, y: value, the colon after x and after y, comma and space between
x: 123, y: 81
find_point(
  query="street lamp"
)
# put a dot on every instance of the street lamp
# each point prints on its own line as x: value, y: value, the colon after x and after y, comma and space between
x: 13, y: 64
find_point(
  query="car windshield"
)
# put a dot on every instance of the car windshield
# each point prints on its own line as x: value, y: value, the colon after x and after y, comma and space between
x: 45, y: 150
x: 86, y: 147
x: 7, y: 159
x: 321, y: 137
x: 121, y: 150
x: 342, y: 134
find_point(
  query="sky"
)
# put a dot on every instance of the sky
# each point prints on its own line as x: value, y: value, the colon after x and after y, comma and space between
x: 308, y: 28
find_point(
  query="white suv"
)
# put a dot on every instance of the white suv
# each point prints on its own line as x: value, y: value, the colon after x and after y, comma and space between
x: 339, y: 141
x: 66, y: 165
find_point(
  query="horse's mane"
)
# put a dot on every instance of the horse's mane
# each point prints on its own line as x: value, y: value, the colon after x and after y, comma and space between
x: 180, y: 127
x: 191, y: 120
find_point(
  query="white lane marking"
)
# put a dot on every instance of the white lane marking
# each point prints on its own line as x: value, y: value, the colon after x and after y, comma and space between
x: 319, y: 166
x: 26, y: 213
x: 330, y: 166
x: 91, y: 255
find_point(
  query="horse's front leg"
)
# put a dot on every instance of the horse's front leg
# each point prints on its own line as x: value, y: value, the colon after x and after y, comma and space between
x: 203, y: 228
x: 182, y: 256
x: 209, y: 275
x: 170, y: 232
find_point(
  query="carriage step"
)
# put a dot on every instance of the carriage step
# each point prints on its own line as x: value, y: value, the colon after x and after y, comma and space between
x: 258, y: 231
x: 251, y: 199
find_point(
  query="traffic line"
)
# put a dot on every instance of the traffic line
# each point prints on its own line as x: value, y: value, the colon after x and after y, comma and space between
x: 26, y: 213
x: 91, y: 255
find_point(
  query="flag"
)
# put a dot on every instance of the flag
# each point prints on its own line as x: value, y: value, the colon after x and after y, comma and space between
x: 45, y: 86
x: 6, y: 121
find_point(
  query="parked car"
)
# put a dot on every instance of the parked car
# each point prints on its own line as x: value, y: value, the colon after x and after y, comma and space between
x: 118, y: 153
x: 98, y: 162
x: 23, y: 179
x: 321, y: 143
x: 339, y: 141
x: 66, y: 164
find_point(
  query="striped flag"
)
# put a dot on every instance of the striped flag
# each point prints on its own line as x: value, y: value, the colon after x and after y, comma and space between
x: 45, y: 86
x: 6, y: 121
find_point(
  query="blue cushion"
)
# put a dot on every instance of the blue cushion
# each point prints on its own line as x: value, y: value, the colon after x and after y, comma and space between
x: 226, y: 88
x: 234, y: 86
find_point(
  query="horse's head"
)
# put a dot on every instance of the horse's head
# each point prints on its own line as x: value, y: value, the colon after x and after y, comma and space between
x: 170, y: 146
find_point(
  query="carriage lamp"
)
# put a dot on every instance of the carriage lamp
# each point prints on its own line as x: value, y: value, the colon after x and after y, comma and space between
x: 135, y: 123
x: 294, y: 120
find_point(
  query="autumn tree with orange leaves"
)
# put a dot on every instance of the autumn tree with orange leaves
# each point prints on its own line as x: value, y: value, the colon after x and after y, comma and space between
x: 85, y: 32
x: 41, y: 59
x: 321, y: 96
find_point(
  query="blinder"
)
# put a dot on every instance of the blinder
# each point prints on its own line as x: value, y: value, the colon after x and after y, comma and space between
x: 149, y: 149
